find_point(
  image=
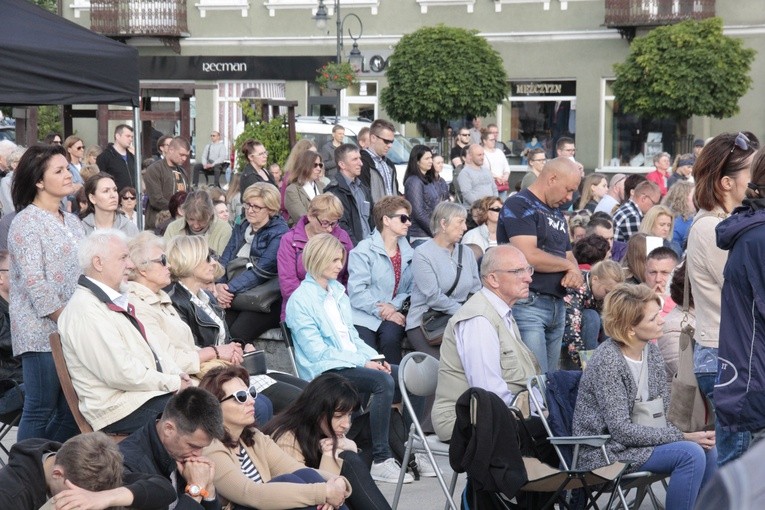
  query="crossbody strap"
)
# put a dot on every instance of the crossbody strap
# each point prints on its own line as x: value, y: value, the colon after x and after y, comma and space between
x: 459, y: 271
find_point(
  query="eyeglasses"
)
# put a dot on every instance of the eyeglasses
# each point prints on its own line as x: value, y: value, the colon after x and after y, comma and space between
x: 318, y: 165
x: 241, y: 395
x: 403, y: 218
x: 327, y: 224
x: 649, y: 197
x: 128, y: 197
x: 521, y: 271
x: 260, y: 154
x: 252, y: 207
x: 495, y: 209
x: 464, y: 134
x: 387, y: 141
x: 162, y: 260
x: 535, y: 160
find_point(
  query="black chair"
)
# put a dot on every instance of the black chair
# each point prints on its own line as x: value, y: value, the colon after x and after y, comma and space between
x: 10, y: 419
x: 287, y: 334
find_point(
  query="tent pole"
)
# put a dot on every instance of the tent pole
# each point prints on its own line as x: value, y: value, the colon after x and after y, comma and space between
x: 137, y: 143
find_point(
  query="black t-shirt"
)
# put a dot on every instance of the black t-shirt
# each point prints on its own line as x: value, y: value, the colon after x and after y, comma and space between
x: 456, y: 152
x: 525, y: 215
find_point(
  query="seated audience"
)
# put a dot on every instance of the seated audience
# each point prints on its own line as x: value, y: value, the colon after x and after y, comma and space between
x: 199, y: 219
x: 102, y: 211
x: 84, y: 472
x: 256, y: 239
x: 319, y: 315
x: 610, y: 387
x: 485, y: 212
x: 435, y: 267
x: 482, y: 346
x: 313, y: 431
x: 128, y: 201
x: 675, y: 321
x: 171, y: 446
x: 577, y: 225
x: 659, y: 266
x: 120, y: 377
x: 380, y: 280
x: 601, y: 224
x: 251, y: 471
x: 304, y: 184
x: 174, y: 211
x: 324, y: 213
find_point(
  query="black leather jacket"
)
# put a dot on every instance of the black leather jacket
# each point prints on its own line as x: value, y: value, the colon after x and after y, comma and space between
x: 203, y: 327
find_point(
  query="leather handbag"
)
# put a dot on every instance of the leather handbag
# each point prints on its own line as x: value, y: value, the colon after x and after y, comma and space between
x: 689, y: 408
x: 434, y: 322
x: 648, y: 413
x: 257, y: 299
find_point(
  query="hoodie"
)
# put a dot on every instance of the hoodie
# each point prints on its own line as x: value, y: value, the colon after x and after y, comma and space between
x: 740, y: 387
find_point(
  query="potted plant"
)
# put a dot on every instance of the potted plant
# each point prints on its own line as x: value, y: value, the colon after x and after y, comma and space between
x: 336, y: 76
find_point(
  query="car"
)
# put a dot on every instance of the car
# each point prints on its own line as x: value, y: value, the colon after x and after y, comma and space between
x: 8, y: 133
x: 319, y: 130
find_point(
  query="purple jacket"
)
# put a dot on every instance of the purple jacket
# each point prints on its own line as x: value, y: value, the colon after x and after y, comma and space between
x: 289, y: 259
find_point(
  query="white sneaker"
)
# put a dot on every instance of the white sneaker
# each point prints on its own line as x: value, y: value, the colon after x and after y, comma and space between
x: 388, y: 472
x: 423, y: 464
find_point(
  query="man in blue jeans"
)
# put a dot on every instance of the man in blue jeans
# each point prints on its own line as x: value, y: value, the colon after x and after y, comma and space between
x: 531, y: 221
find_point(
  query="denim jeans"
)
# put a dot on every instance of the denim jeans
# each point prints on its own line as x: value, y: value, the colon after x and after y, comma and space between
x: 591, y: 323
x: 541, y: 319
x: 148, y: 412
x: 689, y: 467
x: 730, y: 445
x: 46, y: 414
x: 386, y: 340
x: 304, y: 475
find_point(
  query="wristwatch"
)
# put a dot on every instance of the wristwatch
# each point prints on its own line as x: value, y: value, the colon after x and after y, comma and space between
x: 196, y: 491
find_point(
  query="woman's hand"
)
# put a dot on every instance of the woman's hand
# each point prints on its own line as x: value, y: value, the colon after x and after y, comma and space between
x: 398, y: 318
x: 225, y: 298
x: 376, y: 365
x: 386, y: 310
x: 231, y: 352
x: 705, y: 438
x: 336, y: 492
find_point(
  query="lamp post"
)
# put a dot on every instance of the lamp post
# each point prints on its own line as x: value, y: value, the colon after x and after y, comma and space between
x: 354, y: 57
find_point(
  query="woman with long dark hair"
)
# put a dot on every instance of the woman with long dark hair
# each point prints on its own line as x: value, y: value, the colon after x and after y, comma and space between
x: 304, y: 185
x: 103, y: 206
x: 313, y: 431
x: 424, y: 190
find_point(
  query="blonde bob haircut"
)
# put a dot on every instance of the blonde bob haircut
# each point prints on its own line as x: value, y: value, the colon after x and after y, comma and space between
x: 326, y: 204
x: 608, y: 270
x: 140, y: 246
x: 652, y: 216
x: 319, y: 252
x: 185, y: 253
x: 624, y: 308
x: 266, y: 192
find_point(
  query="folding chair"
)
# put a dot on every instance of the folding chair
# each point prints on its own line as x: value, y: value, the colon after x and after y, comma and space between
x: 418, y: 374
x: 567, y: 447
x: 10, y: 419
x: 287, y: 334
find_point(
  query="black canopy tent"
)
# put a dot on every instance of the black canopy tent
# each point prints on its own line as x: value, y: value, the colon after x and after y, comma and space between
x: 48, y: 60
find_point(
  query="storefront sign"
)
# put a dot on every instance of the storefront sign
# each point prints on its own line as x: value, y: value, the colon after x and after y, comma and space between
x: 543, y: 88
x: 230, y: 68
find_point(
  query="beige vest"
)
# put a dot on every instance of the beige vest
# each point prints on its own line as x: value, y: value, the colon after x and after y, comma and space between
x: 516, y: 360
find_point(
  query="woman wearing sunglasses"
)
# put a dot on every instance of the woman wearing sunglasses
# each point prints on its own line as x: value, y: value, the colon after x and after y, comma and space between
x: 251, y: 471
x: 380, y: 281
x: 323, y: 216
x: 313, y: 431
x: 485, y: 212
x: 103, y: 204
x: 128, y: 199
x: 424, y: 189
x: 304, y: 184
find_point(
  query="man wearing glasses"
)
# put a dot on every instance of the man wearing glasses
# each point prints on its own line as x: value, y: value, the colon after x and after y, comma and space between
x: 629, y: 215
x: 463, y: 140
x: 537, y: 160
x: 214, y: 156
x: 482, y: 345
x: 378, y: 173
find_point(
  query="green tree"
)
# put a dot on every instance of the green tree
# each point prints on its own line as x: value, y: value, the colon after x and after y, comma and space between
x: 273, y: 134
x: 440, y: 73
x: 682, y: 70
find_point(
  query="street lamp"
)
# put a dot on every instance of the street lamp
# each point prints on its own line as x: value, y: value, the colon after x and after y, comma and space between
x: 322, y: 16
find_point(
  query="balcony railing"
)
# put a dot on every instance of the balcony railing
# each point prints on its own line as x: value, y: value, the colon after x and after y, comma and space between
x: 139, y: 18
x: 643, y: 13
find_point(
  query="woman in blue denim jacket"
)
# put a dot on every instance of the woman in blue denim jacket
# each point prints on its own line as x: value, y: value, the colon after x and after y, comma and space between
x: 380, y: 280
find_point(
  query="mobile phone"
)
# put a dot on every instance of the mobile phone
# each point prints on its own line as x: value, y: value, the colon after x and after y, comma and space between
x: 380, y: 358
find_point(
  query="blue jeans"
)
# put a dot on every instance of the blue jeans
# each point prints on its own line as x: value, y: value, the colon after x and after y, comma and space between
x: 590, y: 328
x: 541, y: 319
x: 304, y: 475
x: 386, y: 340
x: 730, y: 445
x: 46, y: 414
x: 689, y: 467
x: 148, y: 412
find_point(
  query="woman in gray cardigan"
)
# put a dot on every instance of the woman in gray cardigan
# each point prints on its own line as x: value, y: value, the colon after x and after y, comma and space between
x: 609, y: 388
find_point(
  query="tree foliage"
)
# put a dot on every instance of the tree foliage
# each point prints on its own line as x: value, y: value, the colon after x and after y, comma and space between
x: 273, y: 134
x: 682, y: 70
x: 441, y: 73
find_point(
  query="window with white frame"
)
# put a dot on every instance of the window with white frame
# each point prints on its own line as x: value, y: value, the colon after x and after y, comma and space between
x: 277, y: 5
x: 229, y: 112
x: 223, y: 5
x: 78, y: 6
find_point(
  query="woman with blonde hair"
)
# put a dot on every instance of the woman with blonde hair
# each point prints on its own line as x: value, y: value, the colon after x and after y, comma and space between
x: 659, y: 221
x: 594, y: 188
x: 679, y: 199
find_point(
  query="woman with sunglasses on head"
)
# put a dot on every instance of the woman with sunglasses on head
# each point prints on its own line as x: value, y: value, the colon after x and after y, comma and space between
x: 251, y: 471
x: 256, y: 169
x: 103, y: 204
x: 380, y: 279
x: 304, y: 184
x: 313, y: 431
x: 128, y: 199
x: 323, y: 216
x: 424, y: 190
x: 75, y: 154
x: 722, y: 173
x: 485, y: 212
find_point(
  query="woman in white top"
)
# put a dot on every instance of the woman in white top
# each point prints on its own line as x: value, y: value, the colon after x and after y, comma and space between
x: 496, y: 162
x: 304, y: 184
x: 485, y: 212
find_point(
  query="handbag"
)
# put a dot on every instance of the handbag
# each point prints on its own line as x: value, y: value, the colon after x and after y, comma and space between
x: 690, y: 409
x: 651, y: 412
x: 434, y: 321
x: 257, y: 299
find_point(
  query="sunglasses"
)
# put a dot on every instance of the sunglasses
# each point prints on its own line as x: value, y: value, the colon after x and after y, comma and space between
x: 162, y: 260
x: 495, y: 209
x: 318, y: 165
x: 241, y: 395
x: 128, y: 197
x: 387, y: 141
x: 403, y: 218
x: 78, y: 148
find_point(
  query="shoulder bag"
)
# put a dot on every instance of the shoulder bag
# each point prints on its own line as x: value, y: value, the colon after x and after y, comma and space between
x: 651, y: 412
x: 257, y: 299
x: 434, y: 321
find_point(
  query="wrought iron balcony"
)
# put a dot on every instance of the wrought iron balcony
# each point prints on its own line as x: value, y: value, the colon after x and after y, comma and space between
x: 139, y: 18
x: 645, y: 13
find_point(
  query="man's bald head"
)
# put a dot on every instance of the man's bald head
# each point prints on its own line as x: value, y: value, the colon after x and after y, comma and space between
x: 557, y: 182
x: 505, y: 272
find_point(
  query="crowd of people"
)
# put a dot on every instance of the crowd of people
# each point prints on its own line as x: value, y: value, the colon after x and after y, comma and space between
x: 566, y: 271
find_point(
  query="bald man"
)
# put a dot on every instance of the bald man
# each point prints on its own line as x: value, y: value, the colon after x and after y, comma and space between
x: 531, y: 220
x: 475, y: 181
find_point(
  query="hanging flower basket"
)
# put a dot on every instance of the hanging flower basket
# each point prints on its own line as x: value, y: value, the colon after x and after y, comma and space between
x: 336, y: 76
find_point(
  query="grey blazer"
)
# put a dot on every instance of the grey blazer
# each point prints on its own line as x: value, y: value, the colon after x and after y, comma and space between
x: 296, y: 200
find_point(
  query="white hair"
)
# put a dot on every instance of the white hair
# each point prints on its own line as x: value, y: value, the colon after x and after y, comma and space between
x: 97, y: 245
x: 6, y: 147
